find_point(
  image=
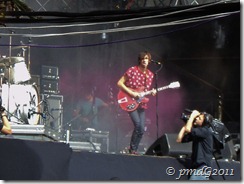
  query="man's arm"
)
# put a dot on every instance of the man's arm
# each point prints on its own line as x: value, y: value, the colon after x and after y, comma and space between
x: 181, y: 134
x: 188, y: 126
x: 122, y: 86
x: 6, y: 125
x: 191, y: 120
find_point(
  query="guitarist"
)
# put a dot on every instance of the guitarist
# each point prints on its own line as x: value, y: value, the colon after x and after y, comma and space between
x: 136, y: 79
x: 87, y: 110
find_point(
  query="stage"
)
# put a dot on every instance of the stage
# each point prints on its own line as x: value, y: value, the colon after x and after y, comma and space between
x: 57, y: 161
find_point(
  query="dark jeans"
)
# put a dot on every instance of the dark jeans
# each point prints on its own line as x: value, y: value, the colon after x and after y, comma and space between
x: 138, y: 119
x: 201, y: 173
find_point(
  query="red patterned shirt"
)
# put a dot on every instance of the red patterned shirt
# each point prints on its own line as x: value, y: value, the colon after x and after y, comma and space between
x: 136, y: 79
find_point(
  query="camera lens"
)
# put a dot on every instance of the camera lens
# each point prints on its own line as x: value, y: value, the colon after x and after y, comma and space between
x: 184, y: 117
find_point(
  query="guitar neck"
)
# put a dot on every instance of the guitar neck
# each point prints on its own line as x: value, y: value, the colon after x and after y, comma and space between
x: 159, y: 89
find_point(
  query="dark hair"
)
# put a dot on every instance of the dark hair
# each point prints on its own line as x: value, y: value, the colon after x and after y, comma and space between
x: 87, y: 91
x: 142, y: 55
x: 208, y: 118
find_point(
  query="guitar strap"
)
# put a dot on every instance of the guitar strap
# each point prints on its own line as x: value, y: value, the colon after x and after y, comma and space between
x: 143, y: 105
x: 145, y: 80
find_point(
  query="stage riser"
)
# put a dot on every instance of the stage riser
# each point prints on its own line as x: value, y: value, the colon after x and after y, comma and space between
x: 42, y: 160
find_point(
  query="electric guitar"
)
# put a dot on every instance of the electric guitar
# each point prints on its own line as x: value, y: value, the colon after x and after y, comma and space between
x: 128, y: 103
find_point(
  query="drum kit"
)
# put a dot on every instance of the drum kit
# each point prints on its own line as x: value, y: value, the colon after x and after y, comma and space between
x: 20, y: 99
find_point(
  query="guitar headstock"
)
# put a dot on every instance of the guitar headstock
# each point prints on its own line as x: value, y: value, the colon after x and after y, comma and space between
x: 174, y: 85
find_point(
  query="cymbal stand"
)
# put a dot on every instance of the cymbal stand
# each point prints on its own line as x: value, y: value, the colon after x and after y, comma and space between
x: 23, y: 52
x: 68, y: 130
x: 29, y: 51
x: 9, y: 65
x: 10, y: 55
x: 1, y: 78
x: 69, y: 123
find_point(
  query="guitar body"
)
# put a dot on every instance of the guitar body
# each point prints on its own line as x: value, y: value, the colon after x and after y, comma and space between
x: 128, y: 103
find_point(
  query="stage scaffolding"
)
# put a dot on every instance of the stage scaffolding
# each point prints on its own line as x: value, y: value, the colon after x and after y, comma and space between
x: 81, y: 6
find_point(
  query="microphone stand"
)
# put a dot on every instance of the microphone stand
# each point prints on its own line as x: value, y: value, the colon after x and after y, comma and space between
x: 9, y: 114
x: 69, y: 123
x: 156, y: 86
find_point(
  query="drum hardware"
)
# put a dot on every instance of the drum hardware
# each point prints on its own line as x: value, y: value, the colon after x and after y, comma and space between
x: 21, y: 100
x: 67, y: 126
x: 9, y: 115
x: 31, y: 112
x: 45, y: 107
x: 16, y: 72
x: 20, y: 47
x: 44, y: 100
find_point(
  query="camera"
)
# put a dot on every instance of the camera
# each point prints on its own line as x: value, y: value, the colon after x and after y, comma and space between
x: 185, y: 117
x: 221, y: 134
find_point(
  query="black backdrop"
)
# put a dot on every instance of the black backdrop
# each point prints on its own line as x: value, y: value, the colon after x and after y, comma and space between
x: 203, y: 56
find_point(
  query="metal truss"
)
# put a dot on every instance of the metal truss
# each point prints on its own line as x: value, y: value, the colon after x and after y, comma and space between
x: 52, y: 5
x: 81, y: 6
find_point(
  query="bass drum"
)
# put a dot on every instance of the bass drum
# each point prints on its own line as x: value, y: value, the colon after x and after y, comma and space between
x: 22, y: 103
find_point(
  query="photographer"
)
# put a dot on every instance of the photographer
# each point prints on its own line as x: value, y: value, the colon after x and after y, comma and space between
x: 4, y: 123
x: 197, y: 129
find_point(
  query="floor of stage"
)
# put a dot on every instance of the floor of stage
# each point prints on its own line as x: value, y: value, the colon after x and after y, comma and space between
x: 53, y: 160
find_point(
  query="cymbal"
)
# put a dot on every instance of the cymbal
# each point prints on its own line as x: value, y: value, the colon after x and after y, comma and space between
x: 12, y: 60
x: 19, y: 47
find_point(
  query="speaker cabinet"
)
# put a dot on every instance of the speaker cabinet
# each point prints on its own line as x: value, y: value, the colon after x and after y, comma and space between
x: 228, y: 152
x: 49, y: 86
x: 49, y: 72
x: 52, y: 107
x: 166, y: 145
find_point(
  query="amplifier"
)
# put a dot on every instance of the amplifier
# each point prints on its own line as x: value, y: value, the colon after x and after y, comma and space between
x: 52, y: 106
x: 49, y: 72
x: 49, y: 87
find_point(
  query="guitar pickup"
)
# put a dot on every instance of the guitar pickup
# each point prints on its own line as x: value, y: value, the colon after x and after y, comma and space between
x: 123, y: 100
x: 131, y: 107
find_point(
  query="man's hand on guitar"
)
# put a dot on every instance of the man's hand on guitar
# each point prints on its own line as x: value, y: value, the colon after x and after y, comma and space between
x: 84, y: 120
x: 134, y: 94
x: 154, y: 92
x: 75, y: 112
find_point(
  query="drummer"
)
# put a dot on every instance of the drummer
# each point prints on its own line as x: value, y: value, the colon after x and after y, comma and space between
x: 5, y: 127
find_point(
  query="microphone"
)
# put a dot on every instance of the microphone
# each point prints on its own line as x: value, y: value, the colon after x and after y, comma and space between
x: 43, y: 115
x: 46, y: 96
x: 188, y: 110
x: 30, y: 113
x: 156, y: 62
